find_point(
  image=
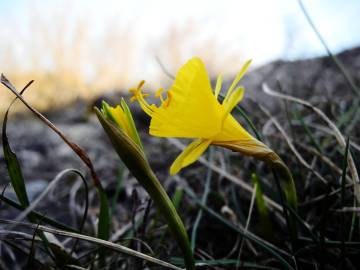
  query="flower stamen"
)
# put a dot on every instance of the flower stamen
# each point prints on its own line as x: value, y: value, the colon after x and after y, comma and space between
x: 164, y: 102
x: 168, y: 99
x: 138, y: 95
x: 158, y: 94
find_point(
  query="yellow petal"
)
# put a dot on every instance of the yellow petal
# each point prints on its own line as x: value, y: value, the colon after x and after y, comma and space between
x: 218, y: 85
x: 235, y: 97
x: 232, y: 131
x: 251, y: 147
x: 190, y: 154
x: 237, y: 79
x: 193, y: 111
x: 131, y: 123
x: 120, y: 118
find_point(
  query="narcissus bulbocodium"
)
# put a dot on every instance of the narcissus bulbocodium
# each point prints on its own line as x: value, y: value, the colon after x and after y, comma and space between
x: 191, y: 109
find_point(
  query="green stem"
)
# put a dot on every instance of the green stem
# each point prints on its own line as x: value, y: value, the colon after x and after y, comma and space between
x: 176, y: 226
x: 135, y: 160
x: 287, y: 185
x: 287, y: 182
x: 258, y: 150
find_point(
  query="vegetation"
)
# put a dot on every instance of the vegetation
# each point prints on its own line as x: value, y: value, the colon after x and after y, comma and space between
x: 225, y: 211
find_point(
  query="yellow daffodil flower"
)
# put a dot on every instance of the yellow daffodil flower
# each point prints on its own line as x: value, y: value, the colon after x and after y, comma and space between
x: 191, y: 110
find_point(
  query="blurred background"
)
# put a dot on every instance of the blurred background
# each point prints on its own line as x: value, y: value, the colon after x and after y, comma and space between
x: 81, y: 49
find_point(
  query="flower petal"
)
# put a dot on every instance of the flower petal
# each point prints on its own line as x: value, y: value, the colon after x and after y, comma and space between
x: 237, y: 79
x: 190, y: 154
x: 119, y: 117
x: 131, y: 123
x: 251, y: 147
x: 193, y: 111
x: 218, y: 85
x: 235, y: 97
x: 232, y: 130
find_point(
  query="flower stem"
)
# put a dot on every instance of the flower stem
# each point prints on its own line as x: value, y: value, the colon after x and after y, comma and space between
x: 282, y: 173
x: 135, y: 160
x: 285, y: 183
x: 176, y: 226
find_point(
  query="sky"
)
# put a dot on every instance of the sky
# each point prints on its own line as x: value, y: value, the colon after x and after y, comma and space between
x: 261, y: 30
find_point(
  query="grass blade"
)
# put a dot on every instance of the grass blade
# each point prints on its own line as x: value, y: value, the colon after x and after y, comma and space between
x: 265, y: 221
x: 104, y: 205
x: 119, y: 187
x: 77, y: 149
x: 38, y: 216
x: 13, y: 166
x: 336, y: 132
x: 104, y: 216
x: 272, y: 250
x: 97, y: 241
x: 203, y: 200
x: 343, y: 182
x: 177, y: 197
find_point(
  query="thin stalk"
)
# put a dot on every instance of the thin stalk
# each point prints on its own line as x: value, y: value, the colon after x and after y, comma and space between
x: 267, y: 247
x: 287, y: 184
x: 203, y: 200
x: 135, y: 160
x: 343, y: 182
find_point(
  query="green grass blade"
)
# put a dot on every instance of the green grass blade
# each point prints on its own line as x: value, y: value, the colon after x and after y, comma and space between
x: 119, y: 187
x: 176, y: 200
x: 39, y: 216
x: 344, y: 169
x: 104, y: 221
x: 343, y: 183
x: 15, y: 173
x: 265, y: 221
x: 134, y: 131
x: 104, y: 205
x: 331, y: 243
x: 17, y: 180
x: 353, y: 220
x: 304, y: 225
x: 225, y: 262
x: 14, y: 169
x: 177, y: 197
x: 307, y: 131
x: 203, y: 200
x: 272, y: 250
x: 288, y: 184
x: 337, y: 62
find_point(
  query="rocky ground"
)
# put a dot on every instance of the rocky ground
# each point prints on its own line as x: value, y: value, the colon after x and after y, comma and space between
x: 43, y: 154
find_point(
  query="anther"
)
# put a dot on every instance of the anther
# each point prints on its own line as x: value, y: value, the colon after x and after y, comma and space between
x: 168, y: 98
x: 158, y: 94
